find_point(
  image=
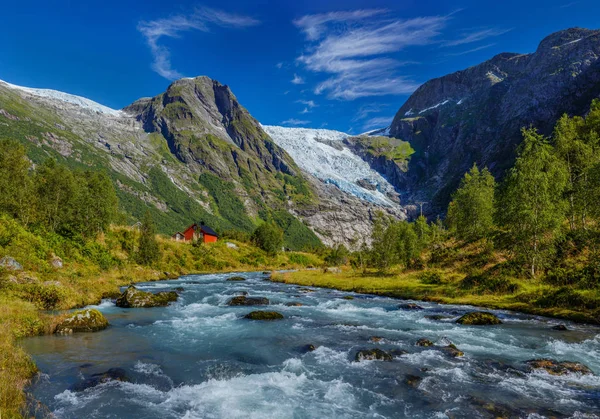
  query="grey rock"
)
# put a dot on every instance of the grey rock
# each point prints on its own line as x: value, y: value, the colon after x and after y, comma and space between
x: 10, y: 263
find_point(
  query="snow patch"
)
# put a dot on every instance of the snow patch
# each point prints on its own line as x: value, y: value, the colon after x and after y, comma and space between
x: 322, y: 154
x: 434, y: 106
x: 66, y: 97
x: 409, y: 112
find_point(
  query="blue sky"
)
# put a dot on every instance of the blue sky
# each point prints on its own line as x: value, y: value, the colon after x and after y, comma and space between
x: 346, y: 65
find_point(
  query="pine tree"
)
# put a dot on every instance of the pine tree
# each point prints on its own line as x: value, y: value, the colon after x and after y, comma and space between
x: 148, y: 250
x: 532, y: 207
x: 471, y: 212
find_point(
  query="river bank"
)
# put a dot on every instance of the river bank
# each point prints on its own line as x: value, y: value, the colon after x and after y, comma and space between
x: 445, y: 287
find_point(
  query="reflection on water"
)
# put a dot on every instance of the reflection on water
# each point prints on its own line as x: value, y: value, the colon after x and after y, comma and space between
x: 200, y: 359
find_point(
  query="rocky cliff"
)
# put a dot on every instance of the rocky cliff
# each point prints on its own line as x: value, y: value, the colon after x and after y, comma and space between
x: 475, y: 115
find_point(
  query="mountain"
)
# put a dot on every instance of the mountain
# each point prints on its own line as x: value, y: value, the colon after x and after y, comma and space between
x: 475, y: 115
x: 195, y: 153
x: 192, y: 153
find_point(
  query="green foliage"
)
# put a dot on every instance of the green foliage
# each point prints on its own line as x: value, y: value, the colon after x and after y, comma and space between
x: 531, y: 206
x: 14, y: 178
x: 337, y: 255
x: 431, y: 277
x: 148, y: 250
x: 268, y: 237
x: 296, y: 235
x: 471, y: 212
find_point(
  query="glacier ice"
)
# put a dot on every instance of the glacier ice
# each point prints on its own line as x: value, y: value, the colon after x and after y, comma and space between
x: 323, y: 154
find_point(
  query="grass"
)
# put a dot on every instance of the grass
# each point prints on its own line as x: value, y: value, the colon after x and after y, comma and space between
x: 91, y: 271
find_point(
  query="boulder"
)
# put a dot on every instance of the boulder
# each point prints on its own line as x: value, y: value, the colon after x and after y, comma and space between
x: 397, y: 352
x: 479, y: 318
x: 10, y: 263
x: 453, y: 351
x: 372, y: 355
x: 413, y: 380
x: 309, y: 348
x: 236, y: 278
x: 294, y: 304
x: 424, y: 342
x: 231, y: 245
x: 264, y: 315
x: 332, y: 270
x: 56, y: 262
x: 348, y: 297
x: 267, y: 272
x: 560, y: 327
x: 113, y: 374
x: 88, y: 320
x: 558, y: 368
x: 242, y: 300
x: 134, y: 298
x: 410, y: 306
x: 437, y: 317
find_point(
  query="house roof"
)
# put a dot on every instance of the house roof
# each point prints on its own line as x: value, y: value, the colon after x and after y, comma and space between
x: 208, y: 230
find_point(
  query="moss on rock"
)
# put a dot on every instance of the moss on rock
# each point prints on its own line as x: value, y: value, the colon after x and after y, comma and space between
x: 264, y: 315
x: 558, y: 368
x: 372, y: 355
x: 424, y: 342
x: 236, y: 278
x: 134, y: 298
x: 88, y: 320
x: 479, y: 318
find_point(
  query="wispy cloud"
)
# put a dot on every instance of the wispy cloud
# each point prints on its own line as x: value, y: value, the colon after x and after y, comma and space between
x: 354, y: 47
x: 295, y: 122
x: 472, y: 50
x: 476, y: 36
x: 202, y: 19
x: 297, y: 79
x: 308, y: 103
x: 305, y: 111
x: 368, y: 109
x: 379, y: 122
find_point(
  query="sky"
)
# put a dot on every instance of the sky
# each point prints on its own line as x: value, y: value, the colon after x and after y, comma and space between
x: 345, y: 65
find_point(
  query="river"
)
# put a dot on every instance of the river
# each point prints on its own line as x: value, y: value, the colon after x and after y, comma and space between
x: 199, y: 358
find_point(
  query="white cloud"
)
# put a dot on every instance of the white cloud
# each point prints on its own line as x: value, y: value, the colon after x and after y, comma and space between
x: 354, y: 48
x: 297, y: 79
x: 305, y: 111
x: 295, y: 122
x: 368, y: 109
x: 309, y: 103
x: 201, y: 19
x: 472, y: 50
x: 279, y: 65
x: 379, y: 122
x: 476, y: 36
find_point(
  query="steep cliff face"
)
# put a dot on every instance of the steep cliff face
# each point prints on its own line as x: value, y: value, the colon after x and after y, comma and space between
x: 476, y: 115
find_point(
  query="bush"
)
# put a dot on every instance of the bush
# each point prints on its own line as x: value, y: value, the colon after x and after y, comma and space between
x: 566, y: 297
x: 269, y: 238
x: 484, y: 283
x: 45, y: 297
x: 432, y: 277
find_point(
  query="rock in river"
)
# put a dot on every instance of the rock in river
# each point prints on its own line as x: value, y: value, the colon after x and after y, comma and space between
x: 372, y: 355
x: 88, y: 320
x: 424, y: 342
x: 134, y: 298
x: 410, y: 306
x: 242, y: 300
x: 479, y: 318
x: 114, y: 374
x: 236, y: 278
x: 264, y: 315
x: 453, y: 351
x: 558, y: 368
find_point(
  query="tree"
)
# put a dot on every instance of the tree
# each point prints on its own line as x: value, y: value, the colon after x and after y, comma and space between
x: 532, y: 207
x: 15, y: 183
x: 337, y: 255
x: 471, y: 212
x: 268, y: 237
x: 97, y: 204
x: 407, y: 241
x: 148, y: 249
x: 55, y: 192
x: 383, y: 251
x: 422, y: 231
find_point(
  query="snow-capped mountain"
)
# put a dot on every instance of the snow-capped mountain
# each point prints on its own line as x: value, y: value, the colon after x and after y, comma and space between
x: 82, y: 102
x: 323, y: 154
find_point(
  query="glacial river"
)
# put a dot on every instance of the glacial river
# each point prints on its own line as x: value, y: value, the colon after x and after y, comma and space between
x: 199, y: 358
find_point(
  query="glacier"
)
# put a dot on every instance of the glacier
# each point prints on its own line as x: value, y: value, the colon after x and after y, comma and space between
x: 323, y: 154
x: 66, y: 97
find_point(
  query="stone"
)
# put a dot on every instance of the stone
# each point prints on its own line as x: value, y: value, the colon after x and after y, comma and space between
x: 437, y: 317
x: 231, y: 245
x: 264, y: 315
x: 10, y: 263
x: 134, y: 298
x: 56, y: 262
x: 372, y: 355
x: 558, y: 368
x: 560, y: 327
x: 332, y: 270
x: 348, y: 297
x: 413, y: 380
x: 236, y: 278
x: 479, y: 318
x: 294, y: 304
x: 309, y: 348
x: 410, y: 306
x: 242, y: 300
x: 113, y: 374
x: 452, y: 350
x: 88, y: 320
x: 424, y: 342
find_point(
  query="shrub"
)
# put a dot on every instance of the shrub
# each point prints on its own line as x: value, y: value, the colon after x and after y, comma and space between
x: 431, y: 277
x: 269, y: 238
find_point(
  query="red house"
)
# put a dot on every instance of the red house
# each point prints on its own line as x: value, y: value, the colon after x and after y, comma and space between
x: 197, y: 232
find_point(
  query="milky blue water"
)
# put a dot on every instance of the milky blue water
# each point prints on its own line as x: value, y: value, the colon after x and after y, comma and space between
x: 199, y: 358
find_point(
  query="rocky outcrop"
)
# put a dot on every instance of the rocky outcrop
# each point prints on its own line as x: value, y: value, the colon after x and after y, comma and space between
x: 424, y: 342
x: 10, y: 263
x: 242, y: 300
x: 558, y: 368
x: 134, y: 298
x: 375, y: 354
x: 479, y: 318
x: 88, y: 320
x: 264, y: 315
x: 475, y: 115
x: 113, y: 374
